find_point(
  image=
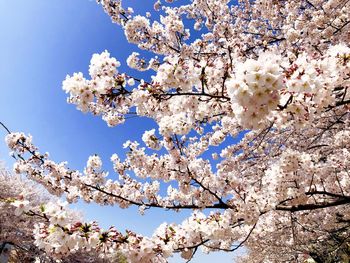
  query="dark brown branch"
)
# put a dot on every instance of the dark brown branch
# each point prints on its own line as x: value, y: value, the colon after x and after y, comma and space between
x: 169, y: 95
x: 3, y: 125
x: 304, y: 207
x: 237, y: 246
x: 156, y: 205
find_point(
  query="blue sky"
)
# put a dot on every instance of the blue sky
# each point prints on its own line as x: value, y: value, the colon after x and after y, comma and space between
x: 41, y: 42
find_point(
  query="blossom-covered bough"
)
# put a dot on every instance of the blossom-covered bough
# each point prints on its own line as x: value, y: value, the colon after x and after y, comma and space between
x: 272, y: 75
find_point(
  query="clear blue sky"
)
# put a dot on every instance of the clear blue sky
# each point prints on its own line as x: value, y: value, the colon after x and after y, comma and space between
x: 41, y: 42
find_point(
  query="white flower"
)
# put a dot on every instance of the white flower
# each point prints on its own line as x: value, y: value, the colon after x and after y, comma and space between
x: 131, y: 82
x: 151, y: 140
x: 94, y: 162
x: 103, y: 65
x: 22, y: 206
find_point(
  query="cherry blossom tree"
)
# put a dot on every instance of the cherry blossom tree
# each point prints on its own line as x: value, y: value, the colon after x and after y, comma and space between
x: 18, y: 200
x: 272, y: 75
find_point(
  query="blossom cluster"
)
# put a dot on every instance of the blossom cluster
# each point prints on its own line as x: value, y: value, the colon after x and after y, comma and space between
x: 254, y: 90
x: 93, y: 95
